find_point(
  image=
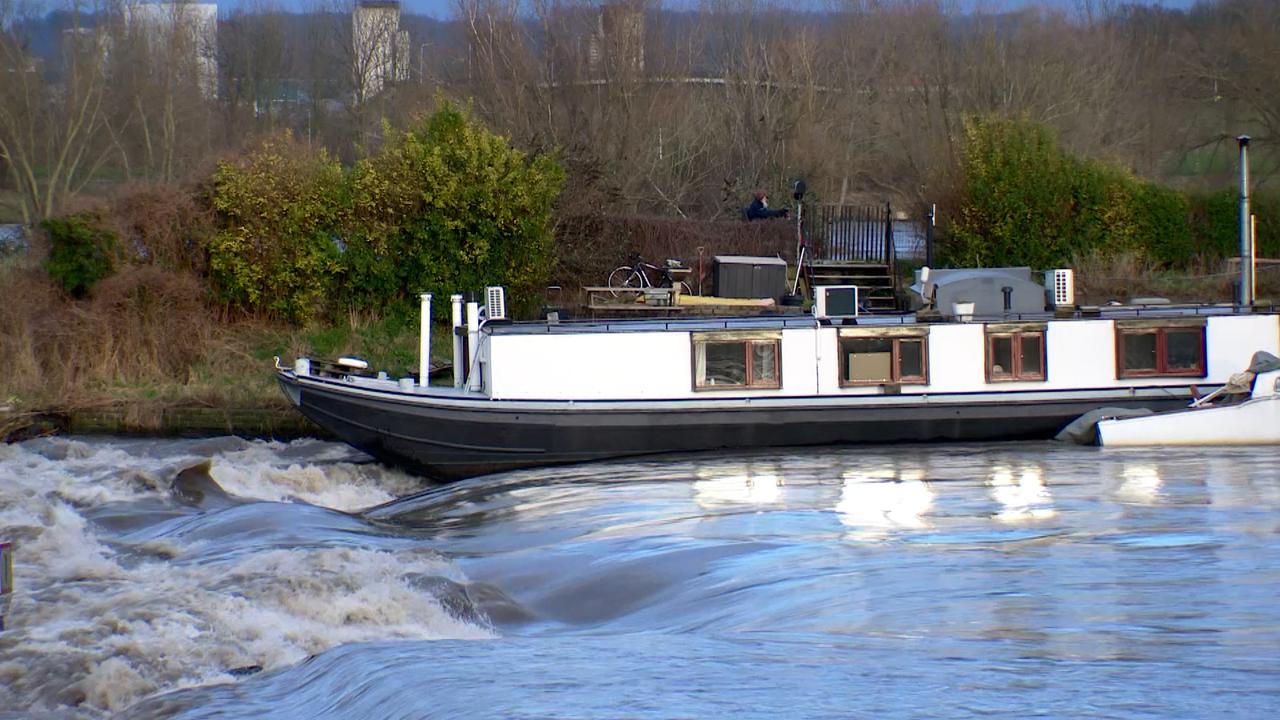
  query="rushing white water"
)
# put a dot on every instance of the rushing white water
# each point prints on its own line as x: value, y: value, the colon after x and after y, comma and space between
x: 131, y: 583
x: 233, y: 579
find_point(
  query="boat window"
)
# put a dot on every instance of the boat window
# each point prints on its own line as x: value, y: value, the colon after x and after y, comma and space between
x: 1015, y: 355
x: 880, y: 360
x: 736, y: 363
x: 1152, y: 350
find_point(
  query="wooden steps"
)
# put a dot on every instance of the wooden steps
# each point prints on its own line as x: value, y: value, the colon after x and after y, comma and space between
x: 875, y: 281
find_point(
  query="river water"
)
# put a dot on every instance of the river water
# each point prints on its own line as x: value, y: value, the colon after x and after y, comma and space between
x: 230, y: 578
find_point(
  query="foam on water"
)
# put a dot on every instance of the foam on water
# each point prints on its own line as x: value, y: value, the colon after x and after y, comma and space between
x: 101, y: 620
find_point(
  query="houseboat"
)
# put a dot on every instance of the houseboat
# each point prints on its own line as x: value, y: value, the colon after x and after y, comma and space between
x: 1001, y: 357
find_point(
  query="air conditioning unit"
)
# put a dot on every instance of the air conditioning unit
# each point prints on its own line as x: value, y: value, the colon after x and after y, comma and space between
x: 835, y: 301
x: 495, y: 303
x: 1060, y: 287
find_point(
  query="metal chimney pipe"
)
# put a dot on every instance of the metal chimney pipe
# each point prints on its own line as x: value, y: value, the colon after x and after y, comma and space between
x: 1246, y: 236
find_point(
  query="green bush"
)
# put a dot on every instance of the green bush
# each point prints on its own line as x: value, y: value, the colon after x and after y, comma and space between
x: 81, y: 252
x: 1160, y: 224
x: 1025, y: 201
x: 280, y: 210
x: 1018, y: 196
x: 1215, y: 220
x: 444, y: 207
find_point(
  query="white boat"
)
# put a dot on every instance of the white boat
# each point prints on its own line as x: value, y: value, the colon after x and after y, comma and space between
x: 545, y: 393
x: 1254, y: 420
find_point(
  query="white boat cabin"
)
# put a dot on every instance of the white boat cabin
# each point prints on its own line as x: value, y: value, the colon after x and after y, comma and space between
x: 794, y: 356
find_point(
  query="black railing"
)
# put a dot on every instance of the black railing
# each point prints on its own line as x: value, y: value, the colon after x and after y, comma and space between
x: 850, y: 234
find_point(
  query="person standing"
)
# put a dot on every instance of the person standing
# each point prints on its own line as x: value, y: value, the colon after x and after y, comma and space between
x: 759, y: 208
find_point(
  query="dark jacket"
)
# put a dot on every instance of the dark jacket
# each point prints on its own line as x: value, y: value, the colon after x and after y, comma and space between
x: 758, y: 211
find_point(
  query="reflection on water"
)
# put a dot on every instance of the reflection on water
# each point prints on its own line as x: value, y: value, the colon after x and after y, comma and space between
x: 750, y: 485
x: 233, y: 579
x: 879, y: 500
x: 1140, y: 483
x: 1022, y: 494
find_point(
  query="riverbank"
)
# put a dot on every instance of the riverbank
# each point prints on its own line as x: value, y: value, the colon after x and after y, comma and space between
x: 270, y: 420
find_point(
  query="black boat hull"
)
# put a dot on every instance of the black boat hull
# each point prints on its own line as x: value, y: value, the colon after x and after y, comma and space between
x: 449, y: 438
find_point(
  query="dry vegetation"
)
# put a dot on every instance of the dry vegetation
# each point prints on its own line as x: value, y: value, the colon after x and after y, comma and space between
x: 675, y: 111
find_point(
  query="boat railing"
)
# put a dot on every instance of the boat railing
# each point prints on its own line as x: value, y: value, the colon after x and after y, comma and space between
x: 1103, y: 312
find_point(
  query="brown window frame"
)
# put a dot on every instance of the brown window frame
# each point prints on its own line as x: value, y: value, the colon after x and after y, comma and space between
x: 1016, y: 374
x: 748, y: 342
x: 895, y: 361
x: 1162, y: 351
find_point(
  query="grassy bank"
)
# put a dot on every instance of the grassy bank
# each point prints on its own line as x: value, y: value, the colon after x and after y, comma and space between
x: 147, y: 353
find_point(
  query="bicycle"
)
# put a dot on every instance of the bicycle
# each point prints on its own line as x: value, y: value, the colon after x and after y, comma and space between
x: 636, y: 277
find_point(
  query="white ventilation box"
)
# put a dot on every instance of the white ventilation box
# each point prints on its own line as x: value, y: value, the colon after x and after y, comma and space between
x: 495, y: 303
x: 831, y: 301
x: 1060, y: 286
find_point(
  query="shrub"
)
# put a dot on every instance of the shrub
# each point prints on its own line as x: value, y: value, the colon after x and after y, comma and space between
x: 163, y: 225
x: 1018, y: 196
x: 1215, y: 220
x: 1160, y: 224
x: 81, y: 251
x: 448, y: 206
x: 279, y: 210
x: 1025, y: 201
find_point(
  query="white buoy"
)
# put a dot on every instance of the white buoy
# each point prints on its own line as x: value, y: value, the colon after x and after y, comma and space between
x: 302, y: 366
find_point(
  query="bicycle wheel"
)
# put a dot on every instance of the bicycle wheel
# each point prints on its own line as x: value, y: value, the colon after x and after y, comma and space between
x: 685, y: 289
x: 624, y: 278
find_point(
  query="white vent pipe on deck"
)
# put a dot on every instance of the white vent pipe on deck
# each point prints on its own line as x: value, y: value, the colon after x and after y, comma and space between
x: 459, y: 362
x: 424, y: 342
x: 1246, y: 235
x: 473, y: 346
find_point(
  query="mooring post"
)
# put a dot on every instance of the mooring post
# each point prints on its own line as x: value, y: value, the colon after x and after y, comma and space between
x: 6, y: 579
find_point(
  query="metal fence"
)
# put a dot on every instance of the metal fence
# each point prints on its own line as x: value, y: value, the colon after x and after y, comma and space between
x: 848, y: 233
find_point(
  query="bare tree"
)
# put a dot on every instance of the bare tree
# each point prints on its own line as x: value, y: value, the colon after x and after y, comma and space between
x: 165, y: 81
x: 251, y: 46
x: 50, y: 126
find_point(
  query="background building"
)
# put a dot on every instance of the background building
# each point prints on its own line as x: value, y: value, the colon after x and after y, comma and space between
x: 380, y: 49
x: 177, y: 32
x: 617, y: 45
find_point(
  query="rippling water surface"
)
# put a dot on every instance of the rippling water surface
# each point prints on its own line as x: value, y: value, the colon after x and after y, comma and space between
x: 227, y: 578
